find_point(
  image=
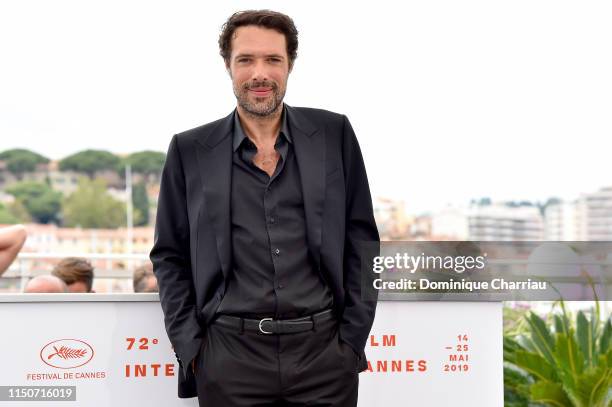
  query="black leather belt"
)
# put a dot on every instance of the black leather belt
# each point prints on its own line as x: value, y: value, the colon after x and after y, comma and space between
x: 275, y: 326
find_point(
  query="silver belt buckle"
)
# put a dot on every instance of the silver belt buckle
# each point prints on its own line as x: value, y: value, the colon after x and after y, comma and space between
x: 260, y: 322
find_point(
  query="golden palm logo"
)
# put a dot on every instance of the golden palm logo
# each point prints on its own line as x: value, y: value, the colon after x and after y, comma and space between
x: 66, y: 353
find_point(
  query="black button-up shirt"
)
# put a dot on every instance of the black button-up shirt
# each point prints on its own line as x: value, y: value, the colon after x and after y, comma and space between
x: 272, y: 273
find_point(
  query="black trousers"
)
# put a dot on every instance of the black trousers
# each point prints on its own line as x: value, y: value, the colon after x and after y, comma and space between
x: 312, y: 368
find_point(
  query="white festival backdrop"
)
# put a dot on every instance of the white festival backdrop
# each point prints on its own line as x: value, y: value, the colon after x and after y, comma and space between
x: 114, y: 350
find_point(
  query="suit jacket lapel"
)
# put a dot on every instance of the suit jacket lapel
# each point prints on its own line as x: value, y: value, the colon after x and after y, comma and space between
x: 309, y: 143
x: 214, y: 155
x: 215, y: 165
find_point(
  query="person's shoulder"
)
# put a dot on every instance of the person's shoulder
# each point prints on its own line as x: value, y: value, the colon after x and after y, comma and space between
x: 319, y: 114
x: 185, y: 141
x: 334, y: 123
x: 200, y: 132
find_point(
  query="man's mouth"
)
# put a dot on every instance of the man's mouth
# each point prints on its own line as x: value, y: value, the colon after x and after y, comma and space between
x: 260, y: 91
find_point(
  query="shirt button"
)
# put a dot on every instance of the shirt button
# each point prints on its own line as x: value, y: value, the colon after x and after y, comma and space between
x: 280, y: 286
x: 271, y: 220
x: 277, y: 252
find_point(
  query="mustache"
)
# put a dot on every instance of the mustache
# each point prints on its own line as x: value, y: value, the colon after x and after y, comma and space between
x: 261, y: 84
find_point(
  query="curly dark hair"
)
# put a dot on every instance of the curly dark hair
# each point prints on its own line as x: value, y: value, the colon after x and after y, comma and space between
x: 261, y: 18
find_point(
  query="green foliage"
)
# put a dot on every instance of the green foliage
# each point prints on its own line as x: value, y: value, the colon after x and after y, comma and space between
x: 90, y: 206
x: 516, y: 388
x: 13, y: 213
x: 549, y: 393
x: 514, y: 321
x: 39, y: 199
x: 147, y: 162
x: 569, y: 365
x: 19, y: 160
x: 90, y: 161
x: 140, y: 200
x: 19, y: 211
x: 6, y: 216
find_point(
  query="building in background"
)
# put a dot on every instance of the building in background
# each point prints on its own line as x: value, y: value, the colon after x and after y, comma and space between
x: 560, y: 222
x: 450, y: 223
x: 391, y: 218
x: 53, y: 239
x: 505, y: 222
x: 588, y: 218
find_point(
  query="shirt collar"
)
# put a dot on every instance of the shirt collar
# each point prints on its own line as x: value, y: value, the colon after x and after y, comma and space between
x: 239, y: 134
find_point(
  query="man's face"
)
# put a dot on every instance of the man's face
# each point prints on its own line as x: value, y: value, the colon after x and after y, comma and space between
x: 259, y: 68
x: 78, y: 287
x: 151, y: 285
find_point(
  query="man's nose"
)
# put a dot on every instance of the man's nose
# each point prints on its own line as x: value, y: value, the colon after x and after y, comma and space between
x: 259, y: 71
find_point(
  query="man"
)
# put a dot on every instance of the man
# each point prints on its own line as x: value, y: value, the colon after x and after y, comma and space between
x: 46, y: 284
x: 77, y: 273
x: 260, y: 219
x: 144, y: 280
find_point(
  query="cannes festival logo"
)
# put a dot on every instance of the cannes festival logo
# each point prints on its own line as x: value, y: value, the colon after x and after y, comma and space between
x: 66, y: 353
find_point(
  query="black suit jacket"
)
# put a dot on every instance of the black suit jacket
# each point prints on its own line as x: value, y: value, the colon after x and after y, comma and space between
x: 192, y: 250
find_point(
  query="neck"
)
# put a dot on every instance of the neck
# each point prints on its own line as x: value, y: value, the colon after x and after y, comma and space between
x: 261, y: 129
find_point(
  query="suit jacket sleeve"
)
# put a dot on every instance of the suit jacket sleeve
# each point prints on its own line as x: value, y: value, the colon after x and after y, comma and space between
x: 358, y: 315
x: 171, y: 262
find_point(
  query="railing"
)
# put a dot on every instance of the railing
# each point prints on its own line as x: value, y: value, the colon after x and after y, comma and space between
x: 116, y: 269
x: 23, y: 269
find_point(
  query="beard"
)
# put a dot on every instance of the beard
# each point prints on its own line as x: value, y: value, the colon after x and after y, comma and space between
x: 259, y: 106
